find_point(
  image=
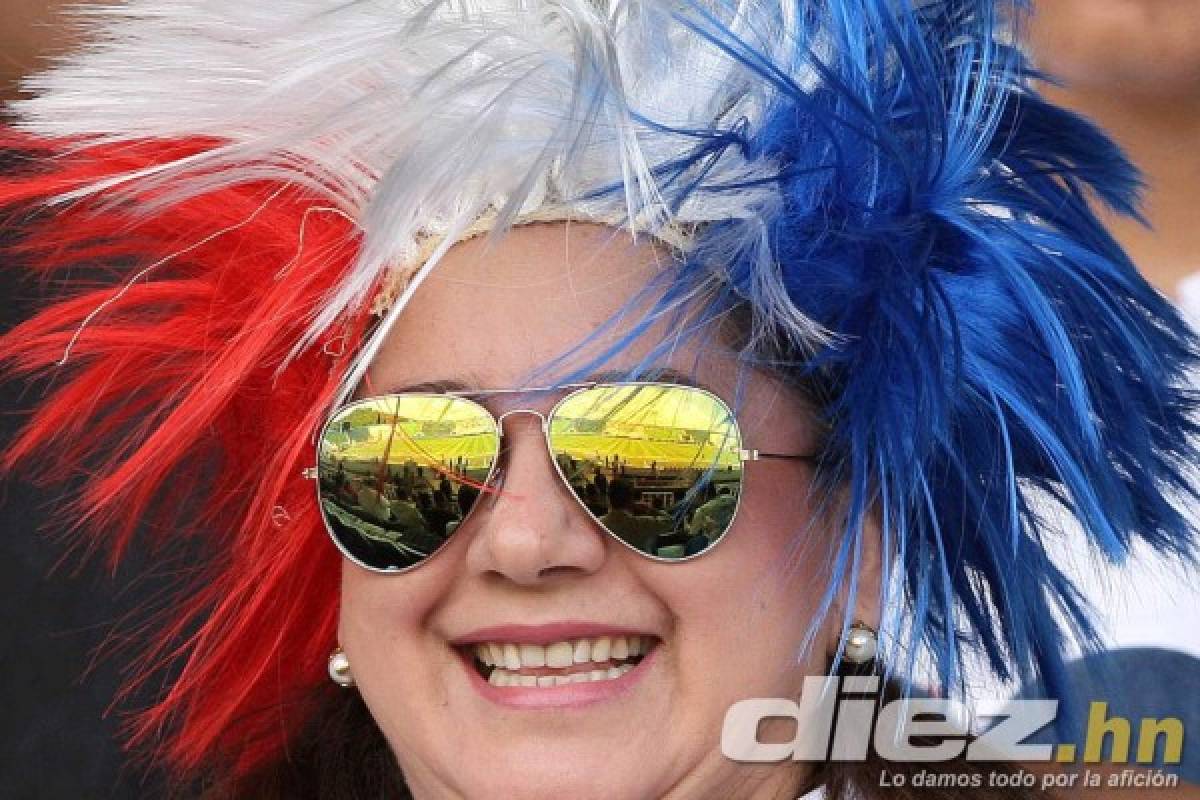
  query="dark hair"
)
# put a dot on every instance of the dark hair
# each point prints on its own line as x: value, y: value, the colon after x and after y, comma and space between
x: 342, y: 755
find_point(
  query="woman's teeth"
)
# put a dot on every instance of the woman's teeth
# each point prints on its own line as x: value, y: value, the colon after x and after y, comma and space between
x: 575, y: 661
x: 502, y: 677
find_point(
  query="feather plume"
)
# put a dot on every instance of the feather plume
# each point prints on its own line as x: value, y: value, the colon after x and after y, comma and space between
x: 993, y: 352
x: 175, y: 381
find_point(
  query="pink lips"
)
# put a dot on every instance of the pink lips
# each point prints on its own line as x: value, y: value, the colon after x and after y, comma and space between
x: 571, y: 695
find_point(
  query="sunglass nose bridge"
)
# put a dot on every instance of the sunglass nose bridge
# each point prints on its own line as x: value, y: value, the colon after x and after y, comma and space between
x: 542, y: 418
x: 497, y: 480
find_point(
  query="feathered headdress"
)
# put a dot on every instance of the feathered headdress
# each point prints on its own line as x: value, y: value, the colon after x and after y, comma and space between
x: 230, y: 190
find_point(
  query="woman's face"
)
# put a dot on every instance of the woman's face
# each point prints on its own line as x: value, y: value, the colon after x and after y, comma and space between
x: 530, y: 567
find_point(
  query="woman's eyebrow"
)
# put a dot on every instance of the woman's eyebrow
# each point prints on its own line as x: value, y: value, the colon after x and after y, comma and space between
x: 432, y: 387
x: 663, y: 375
x: 659, y: 375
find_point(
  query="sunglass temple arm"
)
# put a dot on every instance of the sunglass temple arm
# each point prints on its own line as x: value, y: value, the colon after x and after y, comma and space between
x: 755, y: 455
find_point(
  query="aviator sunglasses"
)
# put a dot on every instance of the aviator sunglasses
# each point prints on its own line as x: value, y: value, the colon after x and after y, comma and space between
x: 658, y: 466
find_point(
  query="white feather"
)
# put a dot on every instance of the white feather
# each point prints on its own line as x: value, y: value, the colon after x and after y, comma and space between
x: 417, y: 119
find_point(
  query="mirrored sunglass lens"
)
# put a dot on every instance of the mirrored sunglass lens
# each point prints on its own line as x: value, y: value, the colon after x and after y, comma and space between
x: 659, y: 466
x: 398, y: 474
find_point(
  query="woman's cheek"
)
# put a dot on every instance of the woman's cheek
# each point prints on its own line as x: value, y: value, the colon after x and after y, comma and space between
x: 745, y: 610
x: 384, y: 632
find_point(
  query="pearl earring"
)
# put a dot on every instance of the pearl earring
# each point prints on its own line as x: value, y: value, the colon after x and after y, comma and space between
x: 339, y: 669
x: 862, y: 644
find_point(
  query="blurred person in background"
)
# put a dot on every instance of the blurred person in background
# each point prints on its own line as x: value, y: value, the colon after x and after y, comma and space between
x: 30, y: 32
x: 1133, y: 66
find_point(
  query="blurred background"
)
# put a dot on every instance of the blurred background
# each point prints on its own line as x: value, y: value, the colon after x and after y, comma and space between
x: 58, y: 739
x: 30, y: 32
x: 1131, y: 65
x: 1134, y: 67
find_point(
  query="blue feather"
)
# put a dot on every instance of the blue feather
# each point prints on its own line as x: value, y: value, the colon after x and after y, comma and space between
x: 993, y: 352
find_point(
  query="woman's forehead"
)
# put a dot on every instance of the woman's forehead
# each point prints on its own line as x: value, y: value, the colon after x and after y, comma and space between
x: 493, y: 312
x: 580, y: 257
x: 497, y: 315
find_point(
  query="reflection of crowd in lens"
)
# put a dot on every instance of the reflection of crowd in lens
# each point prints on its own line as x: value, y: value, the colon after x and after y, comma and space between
x: 667, y: 512
x: 406, y: 499
x: 660, y: 510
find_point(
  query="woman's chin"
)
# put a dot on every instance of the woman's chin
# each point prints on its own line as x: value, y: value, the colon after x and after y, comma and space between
x: 534, y: 769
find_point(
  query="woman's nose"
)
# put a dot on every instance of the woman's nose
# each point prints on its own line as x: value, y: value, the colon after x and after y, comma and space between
x: 532, y: 529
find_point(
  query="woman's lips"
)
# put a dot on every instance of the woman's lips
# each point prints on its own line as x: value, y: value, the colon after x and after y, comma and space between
x: 567, y: 672
x: 546, y: 633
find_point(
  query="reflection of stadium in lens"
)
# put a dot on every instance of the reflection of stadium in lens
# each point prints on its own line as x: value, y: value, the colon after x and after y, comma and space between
x: 399, y: 473
x: 659, y: 466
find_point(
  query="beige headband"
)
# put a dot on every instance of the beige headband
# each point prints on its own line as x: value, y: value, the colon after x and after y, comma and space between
x: 677, y: 236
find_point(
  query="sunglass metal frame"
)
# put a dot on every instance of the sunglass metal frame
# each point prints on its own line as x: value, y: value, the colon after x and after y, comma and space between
x: 573, y: 390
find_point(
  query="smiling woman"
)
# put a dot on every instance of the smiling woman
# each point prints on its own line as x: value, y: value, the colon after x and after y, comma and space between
x: 536, y: 581
x: 576, y: 371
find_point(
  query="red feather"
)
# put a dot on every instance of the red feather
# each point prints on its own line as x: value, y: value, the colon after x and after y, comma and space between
x: 175, y: 376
